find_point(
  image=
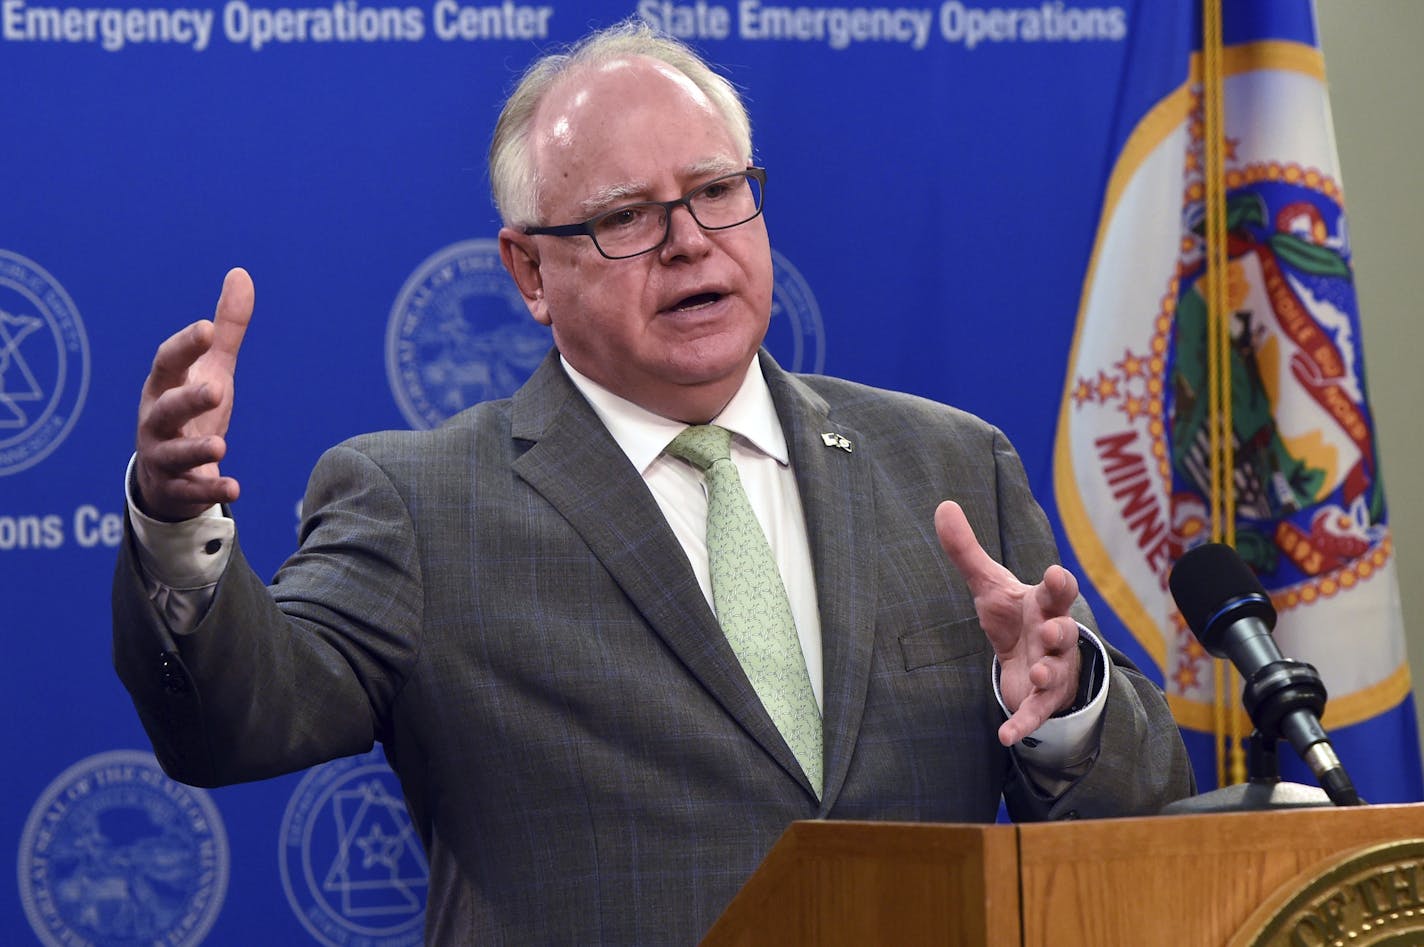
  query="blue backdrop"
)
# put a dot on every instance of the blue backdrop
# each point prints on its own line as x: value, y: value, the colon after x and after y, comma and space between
x: 935, y: 177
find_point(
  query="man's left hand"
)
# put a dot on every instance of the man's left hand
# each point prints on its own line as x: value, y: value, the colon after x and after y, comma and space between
x: 1032, y: 634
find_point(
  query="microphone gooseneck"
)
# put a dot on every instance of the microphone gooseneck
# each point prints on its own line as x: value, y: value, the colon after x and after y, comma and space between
x: 1232, y: 616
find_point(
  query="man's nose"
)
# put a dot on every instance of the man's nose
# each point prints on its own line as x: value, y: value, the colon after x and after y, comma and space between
x: 685, y: 235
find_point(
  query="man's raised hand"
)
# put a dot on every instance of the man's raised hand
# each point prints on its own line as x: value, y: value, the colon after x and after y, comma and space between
x: 1027, y: 625
x: 185, y: 409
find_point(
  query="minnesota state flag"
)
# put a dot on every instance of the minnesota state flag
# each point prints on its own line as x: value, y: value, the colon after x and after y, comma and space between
x: 1216, y: 389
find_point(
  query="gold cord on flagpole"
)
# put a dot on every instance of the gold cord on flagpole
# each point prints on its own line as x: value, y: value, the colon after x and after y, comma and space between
x: 1222, y: 499
x: 1219, y: 709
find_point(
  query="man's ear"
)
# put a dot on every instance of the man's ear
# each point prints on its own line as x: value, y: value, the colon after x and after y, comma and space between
x: 520, y: 256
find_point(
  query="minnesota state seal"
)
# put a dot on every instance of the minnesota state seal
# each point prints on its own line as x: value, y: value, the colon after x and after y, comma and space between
x: 115, y: 853
x: 459, y: 334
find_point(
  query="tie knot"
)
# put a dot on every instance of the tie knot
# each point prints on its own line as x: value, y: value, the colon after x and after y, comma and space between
x: 702, y: 444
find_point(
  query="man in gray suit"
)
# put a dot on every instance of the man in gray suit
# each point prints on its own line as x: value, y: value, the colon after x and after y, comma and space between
x: 519, y: 605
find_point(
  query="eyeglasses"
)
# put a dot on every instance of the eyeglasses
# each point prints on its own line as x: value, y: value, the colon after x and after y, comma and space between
x: 634, y: 229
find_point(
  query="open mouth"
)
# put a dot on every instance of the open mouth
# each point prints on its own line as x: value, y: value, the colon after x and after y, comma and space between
x: 699, y: 301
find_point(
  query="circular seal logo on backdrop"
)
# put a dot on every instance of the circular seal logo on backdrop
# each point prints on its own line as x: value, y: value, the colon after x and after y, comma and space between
x: 796, y: 336
x: 352, y: 865
x: 116, y: 853
x: 458, y: 334
x: 44, y: 363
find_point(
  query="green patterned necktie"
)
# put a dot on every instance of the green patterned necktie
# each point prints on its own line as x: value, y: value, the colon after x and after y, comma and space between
x: 750, y: 598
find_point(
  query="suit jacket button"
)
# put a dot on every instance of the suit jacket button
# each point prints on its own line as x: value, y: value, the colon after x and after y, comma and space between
x: 172, y: 677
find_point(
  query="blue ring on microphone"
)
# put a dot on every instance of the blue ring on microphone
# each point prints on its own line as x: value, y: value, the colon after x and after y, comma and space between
x: 1253, y: 598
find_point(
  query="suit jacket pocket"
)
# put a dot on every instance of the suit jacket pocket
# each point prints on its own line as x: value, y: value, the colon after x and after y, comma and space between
x: 940, y: 644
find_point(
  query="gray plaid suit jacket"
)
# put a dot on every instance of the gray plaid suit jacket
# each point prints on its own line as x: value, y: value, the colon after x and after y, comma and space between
x: 502, y: 605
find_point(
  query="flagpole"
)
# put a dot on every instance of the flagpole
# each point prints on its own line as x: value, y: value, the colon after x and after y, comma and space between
x: 1230, y: 758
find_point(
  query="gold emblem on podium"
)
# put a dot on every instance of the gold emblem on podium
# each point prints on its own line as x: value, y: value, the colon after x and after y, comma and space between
x: 1368, y: 897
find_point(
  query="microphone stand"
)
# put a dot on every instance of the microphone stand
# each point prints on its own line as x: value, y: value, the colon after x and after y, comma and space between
x: 1229, y: 611
x: 1262, y: 790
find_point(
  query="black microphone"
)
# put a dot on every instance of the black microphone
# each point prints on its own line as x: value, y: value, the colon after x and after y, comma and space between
x: 1231, y: 615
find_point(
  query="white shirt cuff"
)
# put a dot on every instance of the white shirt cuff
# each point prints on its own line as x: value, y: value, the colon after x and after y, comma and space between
x: 181, y: 562
x: 1064, y: 745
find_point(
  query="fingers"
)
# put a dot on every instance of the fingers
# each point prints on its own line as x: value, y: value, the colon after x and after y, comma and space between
x: 198, y: 493
x: 177, y: 477
x: 168, y: 413
x: 1028, y: 718
x: 957, y: 538
x: 219, y: 338
x: 234, y: 312
x: 185, y: 409
x: 183, y: 495
x: 1051, y: 682
x: 1057, y: 592
x: 176, y: 355
x: 1032, y: 714
x: 1029, y: 627
x: 174, y: 457
x: 1059, y: 640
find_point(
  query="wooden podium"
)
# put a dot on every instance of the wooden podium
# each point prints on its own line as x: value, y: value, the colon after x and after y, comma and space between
x: 1180, y: 880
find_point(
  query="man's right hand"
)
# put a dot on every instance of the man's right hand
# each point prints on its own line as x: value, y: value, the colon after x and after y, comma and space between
x: 185, y: 408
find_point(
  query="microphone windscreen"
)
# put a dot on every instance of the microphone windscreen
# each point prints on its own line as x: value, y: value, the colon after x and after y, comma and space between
x: 1211, y: 576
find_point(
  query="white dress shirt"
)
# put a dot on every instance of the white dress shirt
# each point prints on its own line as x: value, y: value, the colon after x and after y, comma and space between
x: 764, y: 466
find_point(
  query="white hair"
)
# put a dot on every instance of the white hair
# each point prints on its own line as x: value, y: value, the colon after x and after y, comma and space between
x: 513, y: 177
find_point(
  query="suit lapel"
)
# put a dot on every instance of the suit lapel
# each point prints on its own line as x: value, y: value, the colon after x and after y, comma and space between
x: 838, y: 496
x: 576, y: 465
